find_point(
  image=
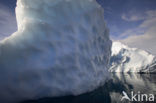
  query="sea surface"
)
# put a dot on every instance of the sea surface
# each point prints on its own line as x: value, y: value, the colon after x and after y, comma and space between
x: 112, y: 91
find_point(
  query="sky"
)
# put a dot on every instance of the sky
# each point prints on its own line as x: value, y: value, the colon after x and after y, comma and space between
x: 132, y: 22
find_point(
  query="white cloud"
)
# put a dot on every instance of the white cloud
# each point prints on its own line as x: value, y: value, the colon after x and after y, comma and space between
x: 130, y: 32
x: 7, y: 22
x: 144, y: 36
x: 131, y: 16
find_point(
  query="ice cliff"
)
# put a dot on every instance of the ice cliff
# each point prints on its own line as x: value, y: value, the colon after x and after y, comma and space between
x: 126, y: 59
x: 62, y: 47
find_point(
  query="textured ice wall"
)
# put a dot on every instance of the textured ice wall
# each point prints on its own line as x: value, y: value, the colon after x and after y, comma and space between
x: 62, y: 47
x: 126, y: 59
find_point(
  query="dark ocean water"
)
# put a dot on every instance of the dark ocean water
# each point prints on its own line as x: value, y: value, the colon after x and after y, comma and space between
x: 112, y: 91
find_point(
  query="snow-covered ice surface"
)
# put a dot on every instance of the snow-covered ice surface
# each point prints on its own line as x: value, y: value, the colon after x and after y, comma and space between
x: 126, y: 59
x: 62, y: 47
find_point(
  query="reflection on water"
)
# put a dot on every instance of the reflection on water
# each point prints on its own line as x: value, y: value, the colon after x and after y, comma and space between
x: 111, y: 92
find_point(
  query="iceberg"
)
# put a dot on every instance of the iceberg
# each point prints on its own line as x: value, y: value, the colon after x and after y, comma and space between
x: 61, y: 47
x: 126, y: 59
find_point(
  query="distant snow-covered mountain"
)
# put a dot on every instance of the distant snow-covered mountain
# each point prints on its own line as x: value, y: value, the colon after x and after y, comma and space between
x: 126, y: 59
